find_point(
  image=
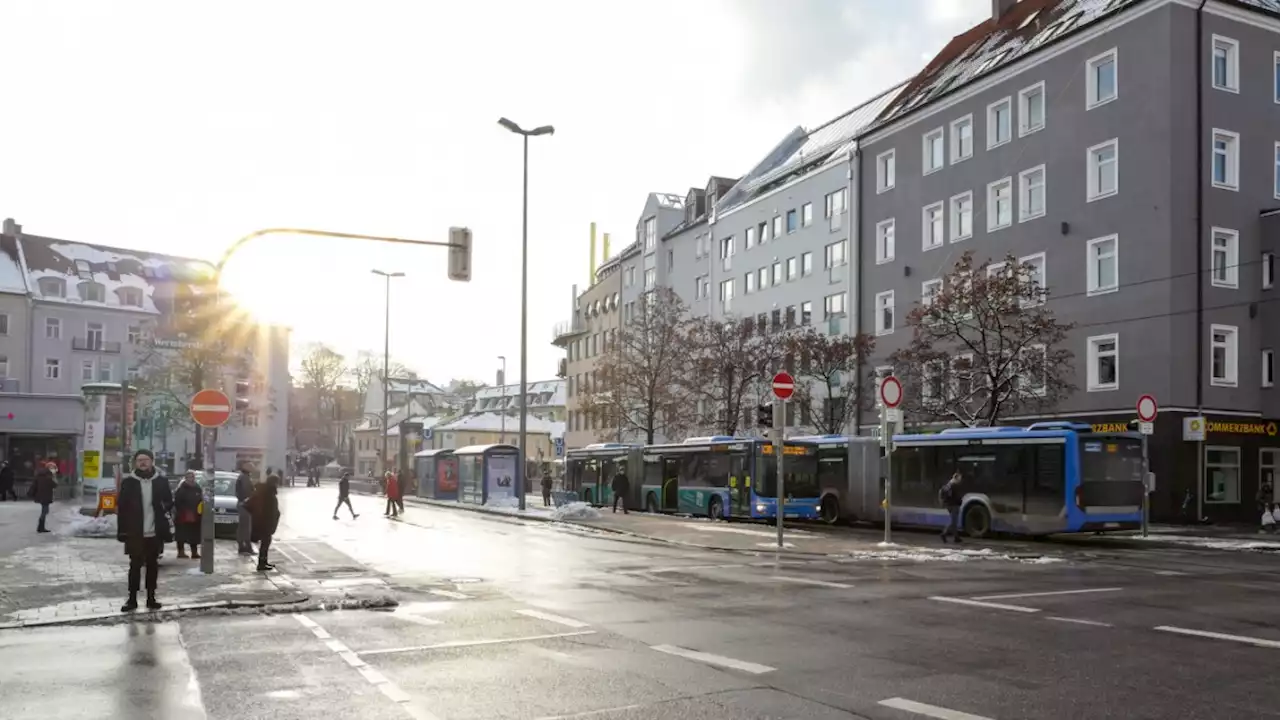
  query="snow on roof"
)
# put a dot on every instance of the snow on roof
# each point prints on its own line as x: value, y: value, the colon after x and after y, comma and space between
x: 413, y: 386
x: 12, y: 279
x: 554, y: 390
x: 495, y: 422
x: 427, y: 422
x: 667, y: 200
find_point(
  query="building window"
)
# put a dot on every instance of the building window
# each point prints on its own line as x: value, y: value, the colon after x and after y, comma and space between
x: 806, y: 264
x: 749, y: 283
x: 884, y: 241
x: 806, y: 215
x: 52, y: 328
x: 777, y: 273
x: 793, y: 268
x: 52, y: 369
x: 791, y: 316
x: 92, y: 292
x: 1031, y: 109
x: 134, y: 334
x: 961, y: 216
x: 671, y: 259
x: 999, y: 123
x: 886, y: 171
x: 777, y: 227
x: 806, y: 312
x: 1104, y: 170
x: 131, y: 374
x: 764, y: 277
x: 650, y: 234
x: 93, y: 336
x: 86, y: 370
x: 933, y: 148
x: 792, y: 225
x: 1102, y: 81
x: 1268, y: 270
x: 1031, y: 194
x: 835, y: 254
x: 962, y: 139
x: 931, y: 226
x: 763, y: 232
x: 4, y: 366
x: 1226, y: 64
x: 650, y: 278
x: 750, y: 238
x: 702, y: 287
x: 835, y: 203
x: 884, y: 313
x: 1268, y: 368
x: 833, y: 305
x: 1000, y: 204
x: 1226, y: 159
x: 1225, y: 259
x: 52, y: 287
x: 727, y: 247
x: 726, y: 293
x: 631, y: 276
x: 130, y: 297
x: 929, y: 290
x: 1223, y: 355
x: 1276, y: 179
x: 1275, y: 77
x: 1104, y: 362
x: 104, y: 372
x: 1221, y: 475
x: 1102, y: 256
x: 4, y: 324
x: 1034, y: 268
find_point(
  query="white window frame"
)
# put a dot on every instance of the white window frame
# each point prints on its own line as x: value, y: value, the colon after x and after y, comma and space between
x: 1268, y: 270
x: 956, y: 144
x: 926, y: 228
x: 806, y: 215
x: 956, y: 225
x: 1024, y: 129
x: 1042, y: 387
x: 828, y: 312
x: 1092, y: 354
x: 884, y: 301
x: 926, y: 297
x: 926, y: 156
x: 749, y: 282
x: 885, y: 252
x: 1093, y: 188
x: 886, y: 171
x: 1044, y: 272
x: 1024, y: 193
x: 54, y: 365
x: 1268, y: 368
x: 1232, y: 48
x: 993, y: 140
x: 956, y: 376
x: 1231, y: 355
x: 993, y: 216
x: 1233, y: 498
x: 53, y: 328
x: 1091, y: 99
x: 806, y: 264
x: 1093, y: 285
x: 1232, y: 259
x: 88, y: 371
x: 1232, y: 156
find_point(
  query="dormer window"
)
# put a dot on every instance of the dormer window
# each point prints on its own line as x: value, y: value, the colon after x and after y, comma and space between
x: 83, y: 270
x: 52, y: 287
x: 92, y: 292
x: 130, y: 296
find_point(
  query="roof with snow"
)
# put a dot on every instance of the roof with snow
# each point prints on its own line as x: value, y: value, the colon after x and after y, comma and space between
x: 667, y: 200
x: 544, y: 393
x: 12, y: 278
x: 496, y: 422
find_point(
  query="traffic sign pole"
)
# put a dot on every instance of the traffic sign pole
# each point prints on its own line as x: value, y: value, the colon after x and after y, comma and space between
x: 210, y: 409
x: 783, y: 387
x: 1148, y: 408
x: 890, y: 398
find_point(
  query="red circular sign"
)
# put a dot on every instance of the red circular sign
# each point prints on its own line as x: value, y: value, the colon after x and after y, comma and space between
x: 210, y: 408
x: 1147, y: 408
x: 890, y: 391
x: 783, y: 385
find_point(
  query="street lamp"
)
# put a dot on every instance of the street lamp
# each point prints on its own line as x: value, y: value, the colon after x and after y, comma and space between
x: 502, y: 407
x: 524, y: 298
x: 386, y: 368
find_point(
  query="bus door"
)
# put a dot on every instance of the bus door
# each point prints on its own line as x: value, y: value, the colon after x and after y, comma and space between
x: 670, y: 484
x: 739, y: 485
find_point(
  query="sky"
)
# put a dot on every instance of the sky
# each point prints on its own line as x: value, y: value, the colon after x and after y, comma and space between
x: 181, y: 127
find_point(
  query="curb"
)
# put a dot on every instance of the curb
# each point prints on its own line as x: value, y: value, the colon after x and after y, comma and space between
x: 182, y: 607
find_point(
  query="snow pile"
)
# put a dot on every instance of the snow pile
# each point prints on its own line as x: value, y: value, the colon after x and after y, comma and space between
x: 893, y: 551
x: 576, y: 511
x: 1214, y: 543
x: 71, y: 523
x: 509, y: 503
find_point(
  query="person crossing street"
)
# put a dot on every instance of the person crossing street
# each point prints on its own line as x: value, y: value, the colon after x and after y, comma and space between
x: 344, y: 495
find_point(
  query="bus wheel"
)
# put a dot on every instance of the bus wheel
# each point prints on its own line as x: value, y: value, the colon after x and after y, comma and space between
x: 977, y: 521
x: 830, y: 510
x: 650, y: 503
x: 714, y: 508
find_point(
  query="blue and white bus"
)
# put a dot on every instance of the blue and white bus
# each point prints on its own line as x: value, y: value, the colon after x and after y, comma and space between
x: 850, y: 477
x: 1050, y: 477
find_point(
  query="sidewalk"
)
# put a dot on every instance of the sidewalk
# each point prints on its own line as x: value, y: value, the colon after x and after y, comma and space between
x: 58, y: 577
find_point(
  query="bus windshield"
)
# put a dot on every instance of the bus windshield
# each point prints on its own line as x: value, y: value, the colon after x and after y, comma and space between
x: 1108, y: 459
x: 801, y: 476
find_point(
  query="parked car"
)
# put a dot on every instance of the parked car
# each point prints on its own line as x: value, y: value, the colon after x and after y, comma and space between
x: 225, y: 516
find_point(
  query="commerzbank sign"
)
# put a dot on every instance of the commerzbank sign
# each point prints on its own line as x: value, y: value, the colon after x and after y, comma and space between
x: 1196, y: 428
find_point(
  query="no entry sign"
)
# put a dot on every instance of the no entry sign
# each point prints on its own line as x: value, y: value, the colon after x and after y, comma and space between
x: 783, y: 385
x: 1147, y: 408
x: 890, y: 391
x: 210, y: 408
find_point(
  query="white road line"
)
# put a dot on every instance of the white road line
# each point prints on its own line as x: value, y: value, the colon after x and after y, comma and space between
x: 306, y: 621
x: 691, y: 568
x: 337, y: 646
x: 418, y: 619
x: 285, y: 553
x: 590, y: 713
x: 305, y: 556
x: 807, y: 581
x: 474, y: 643
x: 1011, y: 596
x: 392, y: 691
x: 321, y: 633
x: 558, y: 619
x: 977, y: 603
x: 450, y: 594
x: 1170, y: 573
x: 1260, y: 642
x: 1078, y: 621
x: 710, y: 659
x: 375, y: 678
x: 932, y: 711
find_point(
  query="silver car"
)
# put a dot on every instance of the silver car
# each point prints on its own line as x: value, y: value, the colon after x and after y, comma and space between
x: 225, y: 516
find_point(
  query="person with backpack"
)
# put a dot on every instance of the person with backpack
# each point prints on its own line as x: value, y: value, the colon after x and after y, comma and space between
x: 950, y: 496
x: 621, y: 489
x: 42, y: 489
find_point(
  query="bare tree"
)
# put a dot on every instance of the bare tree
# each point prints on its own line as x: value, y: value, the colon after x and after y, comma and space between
x: 367, y: 371
x: 734, y: 361
x: 985, y: 346
x: 635, y: 387
x: 322, y: 371
x: 829, y: 387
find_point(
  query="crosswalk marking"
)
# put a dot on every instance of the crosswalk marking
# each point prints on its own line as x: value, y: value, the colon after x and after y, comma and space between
x: 713, y: 659
x: 927, y: 710
x: 559, y: 620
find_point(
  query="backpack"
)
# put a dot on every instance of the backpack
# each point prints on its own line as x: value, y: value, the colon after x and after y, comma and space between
x: 945, y: 494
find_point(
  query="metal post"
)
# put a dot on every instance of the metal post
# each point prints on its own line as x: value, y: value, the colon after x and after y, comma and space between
x: 502, y: 434
x: 206, y: 520
x: 780, y: 430
x: 386, y: 368
x: 1146, y: 488
x: 1200, y: 476
x: 125, y: 464
x: 524, y: 330
x: 886, y: 438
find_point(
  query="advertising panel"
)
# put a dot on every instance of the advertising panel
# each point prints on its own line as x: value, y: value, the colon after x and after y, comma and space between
x: 501, y: 476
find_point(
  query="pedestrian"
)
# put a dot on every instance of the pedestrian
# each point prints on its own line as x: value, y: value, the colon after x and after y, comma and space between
x: 1265, y: 495
x: 187, y: 511
x: 344, y: 495
x: 393, y: 491
x: 142, y: 524
x: 950, y: 496
x: 7, y: 481
x: 264, y: 505
x: 621, y: 489
x: 546, y: 486
x: 42, y: 492
x: 244, y: 522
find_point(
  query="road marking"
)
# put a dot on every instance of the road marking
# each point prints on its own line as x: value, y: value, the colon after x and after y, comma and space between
x: 1260, y: 642
x: 450, y: 594
x: 590, y: 713
x: 567, y: 622
x: 933, y: 711
x: 1078, y: 621
x: 474, y: 643
x: 305, y: 556
x: 687, y: 568
x: 807, y: 581
x: 978, y: 603
x: 285, y: 553
x: 1169, y: 573
x: 307, y: 622
x: 711, y: 659
x: 375, y: 678
x: 1011, y: 596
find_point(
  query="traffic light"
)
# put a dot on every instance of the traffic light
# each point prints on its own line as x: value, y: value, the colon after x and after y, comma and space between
x: 764, y: 416
x: 241, y: 399
x: 460, y: 254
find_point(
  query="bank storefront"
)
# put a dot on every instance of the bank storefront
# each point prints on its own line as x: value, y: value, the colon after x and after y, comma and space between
x: 39, y: 429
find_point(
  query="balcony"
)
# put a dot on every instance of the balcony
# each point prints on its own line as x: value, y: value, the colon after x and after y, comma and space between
x: 94, y: 344
x: 566, y: 330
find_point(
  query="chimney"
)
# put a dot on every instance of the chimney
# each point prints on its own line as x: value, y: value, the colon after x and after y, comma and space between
x: 604, y: 256
x: 592, y: 279
x: 1000, y: 8
x: 11, y: 227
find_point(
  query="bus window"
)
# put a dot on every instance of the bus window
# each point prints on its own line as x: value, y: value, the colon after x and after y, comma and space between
x: 1046, y: 484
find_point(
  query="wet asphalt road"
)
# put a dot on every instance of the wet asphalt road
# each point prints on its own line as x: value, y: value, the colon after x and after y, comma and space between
x: 508, y: 619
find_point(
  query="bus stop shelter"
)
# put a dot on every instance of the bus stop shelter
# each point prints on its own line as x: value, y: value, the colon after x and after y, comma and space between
x: 487, y: 473
x: 437, y: 473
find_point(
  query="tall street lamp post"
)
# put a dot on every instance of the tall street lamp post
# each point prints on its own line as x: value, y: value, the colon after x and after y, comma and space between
x: 386, y: 368
x: 502, y: 406
x: 524, y: 300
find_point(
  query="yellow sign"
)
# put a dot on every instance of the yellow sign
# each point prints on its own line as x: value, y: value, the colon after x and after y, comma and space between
x: 1111, y: 427
x: 92, y: 464
x: 1243, y: 428
x: 786, y: 450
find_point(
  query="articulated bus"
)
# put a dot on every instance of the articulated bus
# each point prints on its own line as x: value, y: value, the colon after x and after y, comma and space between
x: 723, y: 477
x: 589, y: 471
x: 1050, y: 477
x: 850, y: 476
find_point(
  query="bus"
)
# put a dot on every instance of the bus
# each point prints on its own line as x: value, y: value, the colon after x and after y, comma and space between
x: 729, y: 477
x: 1049, y: 477
x: 589, y: 471
x: 850, y: 477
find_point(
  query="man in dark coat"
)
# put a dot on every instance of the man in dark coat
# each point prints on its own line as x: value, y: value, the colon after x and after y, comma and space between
x: 187, y: 500
x: 42, y: 492
x: 344, y: 495
x: 621, y: 489
x: 7, y: 480
x: 142, y: 524
x: 264, y: 505
x: 244, y: 521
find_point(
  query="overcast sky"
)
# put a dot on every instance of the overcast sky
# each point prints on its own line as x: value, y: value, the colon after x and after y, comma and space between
x: 179, y: 127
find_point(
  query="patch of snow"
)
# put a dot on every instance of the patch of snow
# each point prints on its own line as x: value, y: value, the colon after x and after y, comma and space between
x: 1214, y: 543
x: 504, y: 502
x: 924, y: 554
x: 194, y: 571
x: 72, y: 524
x: 576, y: 511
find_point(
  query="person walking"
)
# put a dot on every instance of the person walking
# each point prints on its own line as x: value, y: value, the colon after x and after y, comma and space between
x: 546, y: 486
x: 264, y: 505
x: 390, y: 488
x: 42, y: 492
x: 7, y: 481
x: 344, y: 496
x: 142, y: 524
x: 621, y: 489
x: 244, y: 524
x: 187, y: 511
x: 950, y: 496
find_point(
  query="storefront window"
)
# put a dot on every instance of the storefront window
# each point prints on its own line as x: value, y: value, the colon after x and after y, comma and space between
x: 1268, y: 459
x: 1222, y: 475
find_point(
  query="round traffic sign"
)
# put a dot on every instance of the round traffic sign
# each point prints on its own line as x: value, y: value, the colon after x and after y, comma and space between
x: 210, y: 408
x: 783, y: 385
x: 1147, y: 408
x: 890, y: 391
